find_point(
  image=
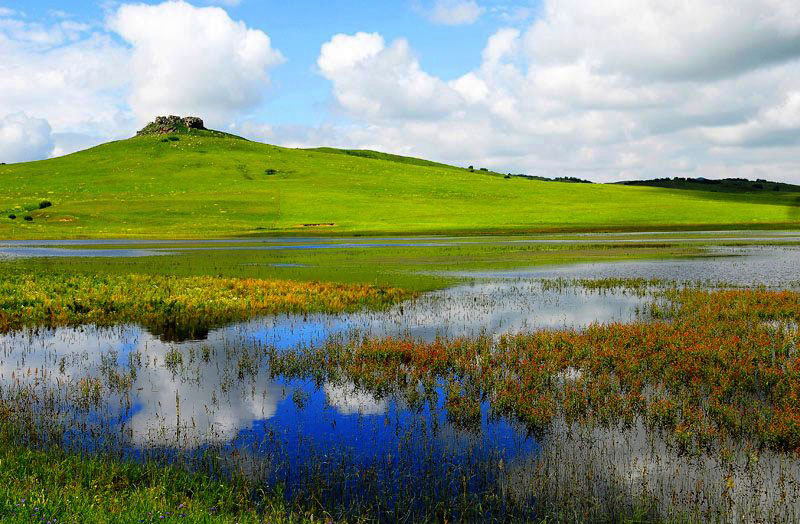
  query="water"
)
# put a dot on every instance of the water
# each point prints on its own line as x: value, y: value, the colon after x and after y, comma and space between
x: 143, y: 393
x: 464, y: 311
x: 772, y: 266
x: 181, y: 400
x: 128, y: 247
x: 61, y: 252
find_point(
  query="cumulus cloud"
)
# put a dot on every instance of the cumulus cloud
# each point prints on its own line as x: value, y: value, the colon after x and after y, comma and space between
x: 219, y: 75
x: 70, y: 74
x: 625, y: 89
x: 372, y: 79
x: 774, y: 126
x: 23, y: 138
x: 669, y: 39
x: 96, y: 82
x: 455, y: 12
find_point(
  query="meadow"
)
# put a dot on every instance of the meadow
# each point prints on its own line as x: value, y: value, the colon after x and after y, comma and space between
x: 206, y: 185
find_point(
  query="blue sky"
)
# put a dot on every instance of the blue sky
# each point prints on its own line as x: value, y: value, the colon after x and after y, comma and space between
x: 609, y: 91
x: 298, y: 94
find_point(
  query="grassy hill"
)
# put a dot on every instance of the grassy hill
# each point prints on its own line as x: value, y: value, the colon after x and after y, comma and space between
x: 206, y: 184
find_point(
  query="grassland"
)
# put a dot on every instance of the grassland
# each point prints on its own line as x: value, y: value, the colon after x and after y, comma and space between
x: 204, y: 185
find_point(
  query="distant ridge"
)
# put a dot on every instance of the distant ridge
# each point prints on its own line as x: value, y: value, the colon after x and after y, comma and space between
x: 727, y: 185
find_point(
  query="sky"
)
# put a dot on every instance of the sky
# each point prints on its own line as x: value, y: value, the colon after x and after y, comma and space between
x: 607, y: 91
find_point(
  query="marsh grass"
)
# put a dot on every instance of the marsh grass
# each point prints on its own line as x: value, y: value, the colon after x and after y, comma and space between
x: 38, y: 485
x: 686, y: 416
x: 171, y: 304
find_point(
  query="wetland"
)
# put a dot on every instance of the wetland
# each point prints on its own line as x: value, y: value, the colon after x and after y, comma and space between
x: 650, y: 384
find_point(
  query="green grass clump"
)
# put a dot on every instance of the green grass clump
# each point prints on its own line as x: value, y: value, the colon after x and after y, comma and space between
x: 56, y: 486
x: 210, y: 184
x: 56, y: 299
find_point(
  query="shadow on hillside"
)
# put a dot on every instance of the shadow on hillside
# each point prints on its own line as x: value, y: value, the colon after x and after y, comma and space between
x: 790, y: 200
x: 794, y: 210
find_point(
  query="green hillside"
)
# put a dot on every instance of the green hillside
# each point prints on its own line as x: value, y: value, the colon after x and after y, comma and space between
x: 206, y: 184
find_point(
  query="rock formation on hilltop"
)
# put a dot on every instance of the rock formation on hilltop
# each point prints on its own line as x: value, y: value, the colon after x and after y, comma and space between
x: 164, y: 125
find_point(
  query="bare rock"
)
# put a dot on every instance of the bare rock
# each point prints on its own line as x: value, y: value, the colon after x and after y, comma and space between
x: 164, y: 125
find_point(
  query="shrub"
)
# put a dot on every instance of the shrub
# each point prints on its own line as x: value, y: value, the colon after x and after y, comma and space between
x: 12, y: 216
x: 28, y: 218
x: 44, y: 204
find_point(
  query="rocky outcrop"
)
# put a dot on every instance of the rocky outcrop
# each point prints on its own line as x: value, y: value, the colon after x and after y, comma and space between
x: 192, y: 122
x: 164, y: 125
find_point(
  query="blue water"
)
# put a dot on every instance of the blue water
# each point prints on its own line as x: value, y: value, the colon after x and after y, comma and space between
x: 101, y: 248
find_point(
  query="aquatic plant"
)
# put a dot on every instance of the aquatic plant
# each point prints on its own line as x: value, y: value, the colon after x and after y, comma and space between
x: 711, y: 368
x: 41, y: 299
x: 703, y: 390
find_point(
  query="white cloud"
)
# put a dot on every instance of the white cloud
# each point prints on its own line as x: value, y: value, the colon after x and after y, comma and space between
x: 455, y: 12
x: 74, y: 85
x: 622, y: 90
x: 774, y: 126
x: 91, y: 86
x: 670, y: 39
x: 372, y: 79
x: 254, y: 131
x: 23, y: 138
x: 501, y: 44
x: 189, y: 60
x: 347, y: 399
x: 66, y: 143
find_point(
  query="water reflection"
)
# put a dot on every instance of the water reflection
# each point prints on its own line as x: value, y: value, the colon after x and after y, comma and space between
x: 614, y: 468
x: 743, y: 266
x: 136, y: 248
x: 203, y: 392
x: 463, y: 311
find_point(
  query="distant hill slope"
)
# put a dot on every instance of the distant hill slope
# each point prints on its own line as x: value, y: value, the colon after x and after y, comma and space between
x: 207, y: 184
x: 376, y: 155
x: 737, y: 185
